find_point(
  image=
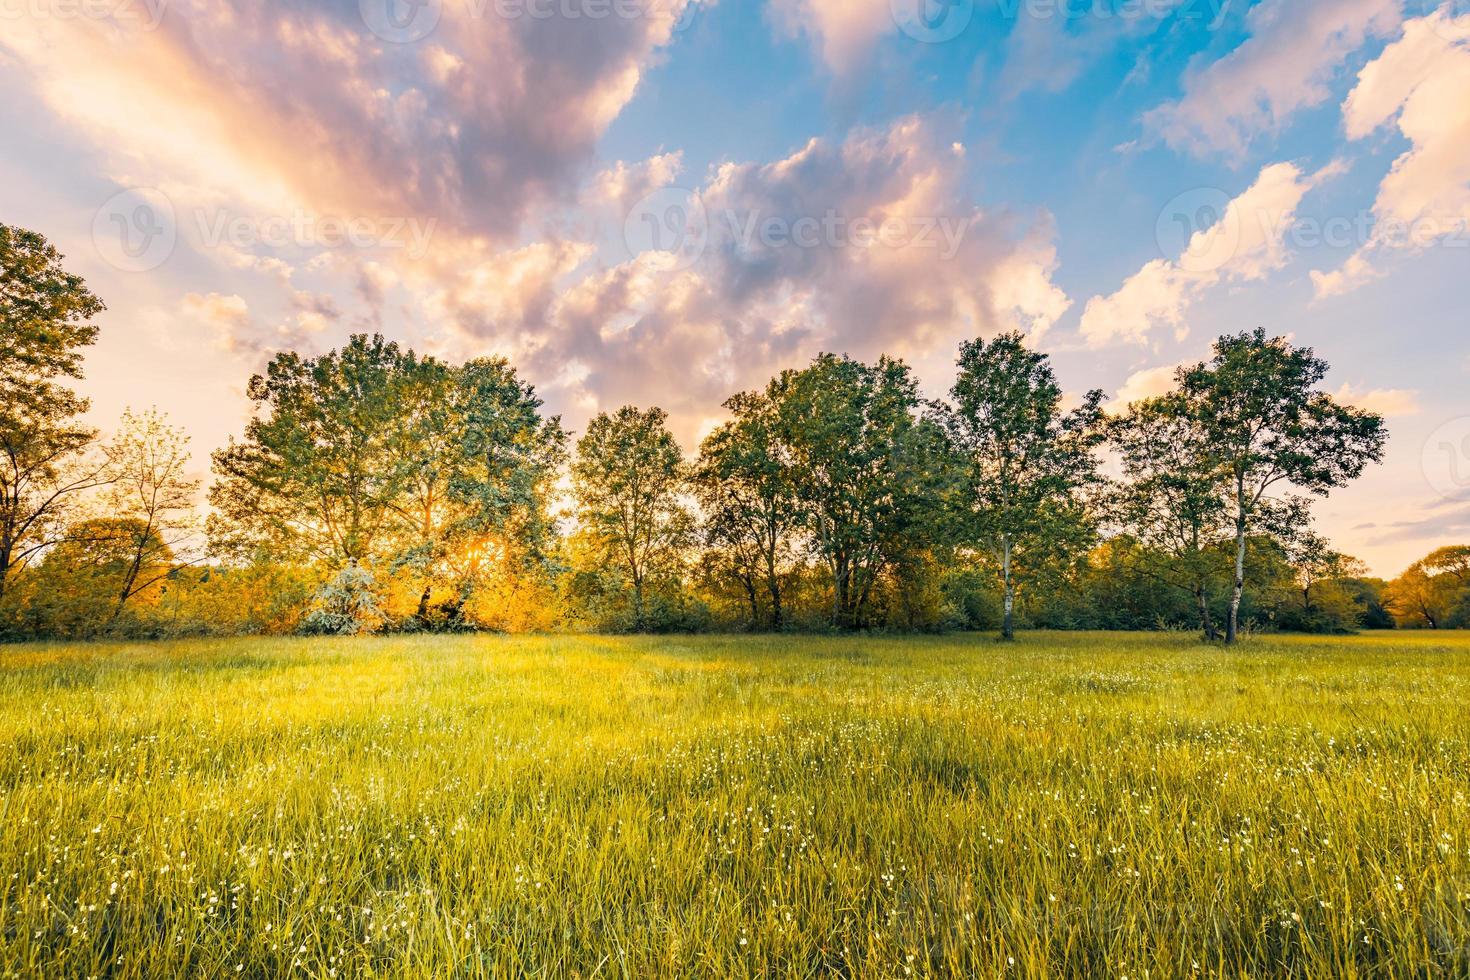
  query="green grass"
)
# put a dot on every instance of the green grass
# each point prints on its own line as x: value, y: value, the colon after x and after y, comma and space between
x: 1090, y: 804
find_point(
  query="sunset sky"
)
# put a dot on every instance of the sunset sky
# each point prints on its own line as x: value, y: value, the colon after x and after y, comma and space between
x: 639, y: 201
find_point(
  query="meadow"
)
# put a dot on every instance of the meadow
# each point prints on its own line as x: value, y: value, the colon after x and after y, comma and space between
x: 1073, y: 804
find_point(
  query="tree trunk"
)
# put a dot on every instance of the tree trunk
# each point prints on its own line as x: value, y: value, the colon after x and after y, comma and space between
x: 839, y: 595
x: 1206, y: 623
x: 638, y: 604
x: 423, y: 613
x: 1008, y: 623
x: 773, y: 586
x: 1237, y: 589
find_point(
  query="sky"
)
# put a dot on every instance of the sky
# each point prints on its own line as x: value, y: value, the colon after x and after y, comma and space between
x: 668, y: 201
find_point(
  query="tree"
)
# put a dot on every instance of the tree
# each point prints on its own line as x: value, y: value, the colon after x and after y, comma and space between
x: 1270, y: 428
x: 481, y: 462
x: 1324, y: 603
x: 1453, y: 561
x: 864, y: 468
x: 750, y: 506
x: 45, y: 322
x: 321, y: 469
x: 1418, y: 597
x: 1026, y: 460
x: 76, y: 586
x: 154, y: 494
x: 629, y: 478
x: 1170, y: 497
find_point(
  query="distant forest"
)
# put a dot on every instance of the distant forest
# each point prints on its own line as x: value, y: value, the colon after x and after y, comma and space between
x: 378, y: 490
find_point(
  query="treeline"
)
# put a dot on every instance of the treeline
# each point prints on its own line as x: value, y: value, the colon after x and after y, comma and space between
x: 376, y: 489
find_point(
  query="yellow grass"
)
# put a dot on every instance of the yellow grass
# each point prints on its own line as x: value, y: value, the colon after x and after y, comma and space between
x: 1088, y: 804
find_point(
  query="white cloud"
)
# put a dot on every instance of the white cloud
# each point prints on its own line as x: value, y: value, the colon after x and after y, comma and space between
x: 1287, y: 64
x: 1246, y: 244
x: 1148, y: 383
x: 843, y: 31
x: 1423, y: 82
x: 1391, y: 402
x: 651, y: 330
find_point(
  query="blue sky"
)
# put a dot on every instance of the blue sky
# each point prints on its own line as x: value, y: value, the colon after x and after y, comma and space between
x: 661, y: 201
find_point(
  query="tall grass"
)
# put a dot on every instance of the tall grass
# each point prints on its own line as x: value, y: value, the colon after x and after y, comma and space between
x: 1089, y: 804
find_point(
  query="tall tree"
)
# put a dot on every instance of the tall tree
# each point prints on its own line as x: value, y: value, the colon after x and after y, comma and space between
x: 320, y: 469
x: 1171, y: 498
x: 1271, y: 429
x: 505, y: 460
x: 750, y: 506
x: 1420, y: 597
x: 1453, y: 561
x: 1026, y: 460
x: 863, y: 465
x: 151, y: 499
x: 629, y: 479
x: 45, y: 323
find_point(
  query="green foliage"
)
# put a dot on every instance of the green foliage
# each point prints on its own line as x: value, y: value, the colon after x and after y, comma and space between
x: 867, y: 471
x: 629, y: 478
x: 348, y: 605
x: 752, y: 511
x: 319, y: 470
x: 1025, y: 461
x: 45, y: 322
x: 1269, y: 427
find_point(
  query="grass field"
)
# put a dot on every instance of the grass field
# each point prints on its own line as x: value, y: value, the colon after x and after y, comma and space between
x: 1089, y: 804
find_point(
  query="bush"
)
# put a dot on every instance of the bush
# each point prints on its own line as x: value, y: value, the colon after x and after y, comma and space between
x: 345, y: 606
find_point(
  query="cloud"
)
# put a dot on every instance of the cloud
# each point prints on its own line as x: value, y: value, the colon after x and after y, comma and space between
x: 1295, y: 49
x: 1421, y: 81
x: 623, y: 184
x: 1246, y: 244
x: 236, y: 330
x: 786, y: 271
x: 276, y: 107
x: 1145, y: 384
x: 1390, y: 402
x: 1049, y: 49
x: 844, y: 32
x: 489, y: 129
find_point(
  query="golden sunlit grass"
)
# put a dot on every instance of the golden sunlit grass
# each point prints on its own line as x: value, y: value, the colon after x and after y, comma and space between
x: 1095, y: 804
